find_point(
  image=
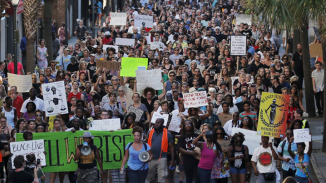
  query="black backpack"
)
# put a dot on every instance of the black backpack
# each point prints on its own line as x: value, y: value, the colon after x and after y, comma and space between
x: 133, y: 142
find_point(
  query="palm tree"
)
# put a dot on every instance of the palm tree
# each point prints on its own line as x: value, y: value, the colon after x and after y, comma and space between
x: 3, y: 6
x: 47, y: 27
x: 31, y: 16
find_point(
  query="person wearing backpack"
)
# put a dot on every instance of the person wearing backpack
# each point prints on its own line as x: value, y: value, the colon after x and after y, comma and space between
x: 137, y: 170
x: 288, y: 166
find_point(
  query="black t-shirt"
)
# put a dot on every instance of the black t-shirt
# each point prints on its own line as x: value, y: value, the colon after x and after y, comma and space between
x: 290, y: 42
x: 185, y: 142
x: 278, y: 89
x: 73, y: 68
x: 298, y: 64
x: 91, y: 68
x: 201, y: 81
x: 254, y: 68
x: 247, y: 33
x: 21, y: 177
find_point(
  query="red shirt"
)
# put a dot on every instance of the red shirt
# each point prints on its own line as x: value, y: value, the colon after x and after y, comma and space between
x: 107, y: 41
x: 11, y: 68
x: 17, y: 103
x: 71, y: 94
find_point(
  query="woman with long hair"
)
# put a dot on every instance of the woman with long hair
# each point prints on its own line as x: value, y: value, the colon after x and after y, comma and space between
x: 226, y: 76
x: 21, y: 125
x: 83, y: 68
x: 239, y: 159
x: 62, y: 33
x: 291, y: 109
x: 31, y: 127
x: 294, y: 93
x: 129, y: 121
x: 247, y: 123
x: 9, y: 111
x: 41, y: 55
x: 30, y: 113
x: 166, y: 64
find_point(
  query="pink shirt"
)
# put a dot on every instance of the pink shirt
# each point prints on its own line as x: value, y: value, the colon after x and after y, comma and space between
x: 11, y: 68
x: 207, y: 158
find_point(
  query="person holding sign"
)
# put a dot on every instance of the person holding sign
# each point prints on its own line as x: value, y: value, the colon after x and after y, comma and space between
x: 301, y: 161
x: 87, y: 164
x: 21, y: 176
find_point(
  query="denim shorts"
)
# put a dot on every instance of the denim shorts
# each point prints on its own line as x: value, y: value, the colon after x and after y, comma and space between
x: 238, y: 170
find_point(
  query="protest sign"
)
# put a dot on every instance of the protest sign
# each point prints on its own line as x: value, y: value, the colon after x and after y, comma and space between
x: 175, y: 122
x: 154, y: 81
x: 157, y: 115
x: 144, y: 21
x: 116, y: 48
x: 148, y: 39
x: 138, y: 112
x: 118, y: 18
x: 28, y: 147
x: 125, y: 41
x: 252, y: 140
x: 51, y: 123
x: 129, y: 65
x: 108, y: 64
x: 238, y: 46
x: 60, y: 148
x: 155, y: 45
x: 316, y: 50
x: 273, y: 115
x: 105, y: 125
x: 55, y: 100
x: 301, y: 135
x: 195, y: 99
x: 243, y: 18
x: 225, y: 144
x: 22, y: 82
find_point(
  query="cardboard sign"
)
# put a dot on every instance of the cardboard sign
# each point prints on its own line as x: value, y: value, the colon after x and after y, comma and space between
x: 225, y: 144
x: 316, y: 50
x: 238, y: 46
x: 154, y: 81
x: 118, y: 18
x: 144, y: 21
x: 155, y: 45
x: 195, y: 99
x: 105, y: 125
x: 301, y: 135
x: 139, y: 113
x: 157, y: 115
x: 55, y: 100
x: 28, y: 147
x: 243, y: 18
x: 125, y: 41
x: 22, y: 82
x: 129, y: 65
x: 108, y: 64
x: 252, y: 140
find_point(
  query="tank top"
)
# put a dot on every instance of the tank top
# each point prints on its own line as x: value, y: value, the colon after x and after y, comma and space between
x: 10, y: 116
x: 207, y: 158
x: 88, y: 161
x: 238, y: 163
x: 168, y: 85
x: 71, y: 94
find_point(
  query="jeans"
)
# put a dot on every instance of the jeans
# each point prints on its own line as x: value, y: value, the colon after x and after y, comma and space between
x: 223, y: 180
x: 301, y: 179
x: 137, y: 176
x: 288, y: 173
x: 204, y: 175
x: 319, y: 97
x: 190, y: 168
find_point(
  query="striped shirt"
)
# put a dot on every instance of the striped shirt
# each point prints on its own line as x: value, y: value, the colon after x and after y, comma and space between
x: 251, y: 114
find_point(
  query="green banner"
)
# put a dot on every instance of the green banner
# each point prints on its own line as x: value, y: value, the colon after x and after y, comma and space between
x: 60, y: 148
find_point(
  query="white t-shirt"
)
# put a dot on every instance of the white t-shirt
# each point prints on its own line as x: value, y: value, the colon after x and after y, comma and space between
x: 264, y: 159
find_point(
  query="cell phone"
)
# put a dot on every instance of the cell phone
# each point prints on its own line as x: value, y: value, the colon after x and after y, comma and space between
x: 38, y: 161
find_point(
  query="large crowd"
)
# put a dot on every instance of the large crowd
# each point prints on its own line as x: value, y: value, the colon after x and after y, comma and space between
x: 194, y: 55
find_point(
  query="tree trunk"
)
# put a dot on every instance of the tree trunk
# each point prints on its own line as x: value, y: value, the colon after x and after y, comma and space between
x: 30, y: 55
x: 47, y: 28
x: 324, y: 114
x: 309, y: 93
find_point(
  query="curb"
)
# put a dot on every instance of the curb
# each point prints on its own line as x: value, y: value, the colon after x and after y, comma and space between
x: 316, y: 170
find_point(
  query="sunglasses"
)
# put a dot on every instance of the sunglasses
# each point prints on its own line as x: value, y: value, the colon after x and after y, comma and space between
x: 219, y: 133
x: 38, y: 115
x: 52, y: 65
x: 33, y: 78
x: 289, y: 133
x: 120, y: 90
x: 172, y: 75
x: 74, y: 77
x: 197, y: 71
x: 114, y: 79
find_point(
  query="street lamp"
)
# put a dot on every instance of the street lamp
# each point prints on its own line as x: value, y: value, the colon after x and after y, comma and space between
x: 16, y: 33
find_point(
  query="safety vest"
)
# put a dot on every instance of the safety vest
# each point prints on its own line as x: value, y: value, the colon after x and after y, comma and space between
x: 164, y: 144
x: 304, y: 123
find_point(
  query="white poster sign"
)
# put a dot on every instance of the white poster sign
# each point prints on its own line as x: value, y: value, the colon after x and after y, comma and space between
x: 157, y: 115
x: 301, y: 135
x: 22, y: 82
x: 105, y: 125
x: 195, y: 99
x: 28, y: 147
x: 243, y: 18
x: 252, y: 140
x: 111, y: 46
x: 144, y: 21
x: 118, y: 19
x: 238, y: 46
x: 155, y: 45
x: 175, y: 122
x: 125, y: 41
x: 149, y: 78
x: 54, y: 96
x: 148, y: 39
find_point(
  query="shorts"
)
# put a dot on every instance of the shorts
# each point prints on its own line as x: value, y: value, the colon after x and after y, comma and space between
x: 181, y: 167
x: 158, y: 166
x: 238, y: 170
x: 301, y: 179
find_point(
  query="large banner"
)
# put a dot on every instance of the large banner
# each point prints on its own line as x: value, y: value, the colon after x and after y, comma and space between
x: 60, y: 148
x: 273, y: 115
x: 55, y: 100
x: 118, y: 19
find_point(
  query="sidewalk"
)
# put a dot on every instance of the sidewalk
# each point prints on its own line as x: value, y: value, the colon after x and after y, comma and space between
x: 318, y: 165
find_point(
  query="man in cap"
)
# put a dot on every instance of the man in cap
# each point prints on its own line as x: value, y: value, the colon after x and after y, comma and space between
x: 80, y: 31
x: 107, y: 39
x: 73, y: 66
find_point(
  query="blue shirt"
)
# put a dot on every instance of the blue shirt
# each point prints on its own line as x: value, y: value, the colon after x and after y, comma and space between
x: 23, y: 44
x: 133, y: 162
x: 99, y: 9
x: 298, y: 165
x: 286, y: 155
x: 251, y: 50
x: 285, y: 84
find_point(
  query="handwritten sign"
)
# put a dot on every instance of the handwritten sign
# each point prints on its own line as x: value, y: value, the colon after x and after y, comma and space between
x: 155, y: 45
x: 225, y: 144
x: 105, y: 125
x: 28, y: 147
x: 195, y: 99
x: 301, y: 135
x: 22, y: 82
x: 157, y: 115
x: 55, y: 100
x: 108, y: 64
x: 316, y: 50
x: 124, y: 41
x: 118, y: 18
x: 238, y: 46
x: 243, y: 18
x: 252, y: 140
x: 111, y: 46
x: 138, y: 112
x: 144, y: 21
x: 154, y: 81
x: 175, y: 122
x: 129, y: 65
